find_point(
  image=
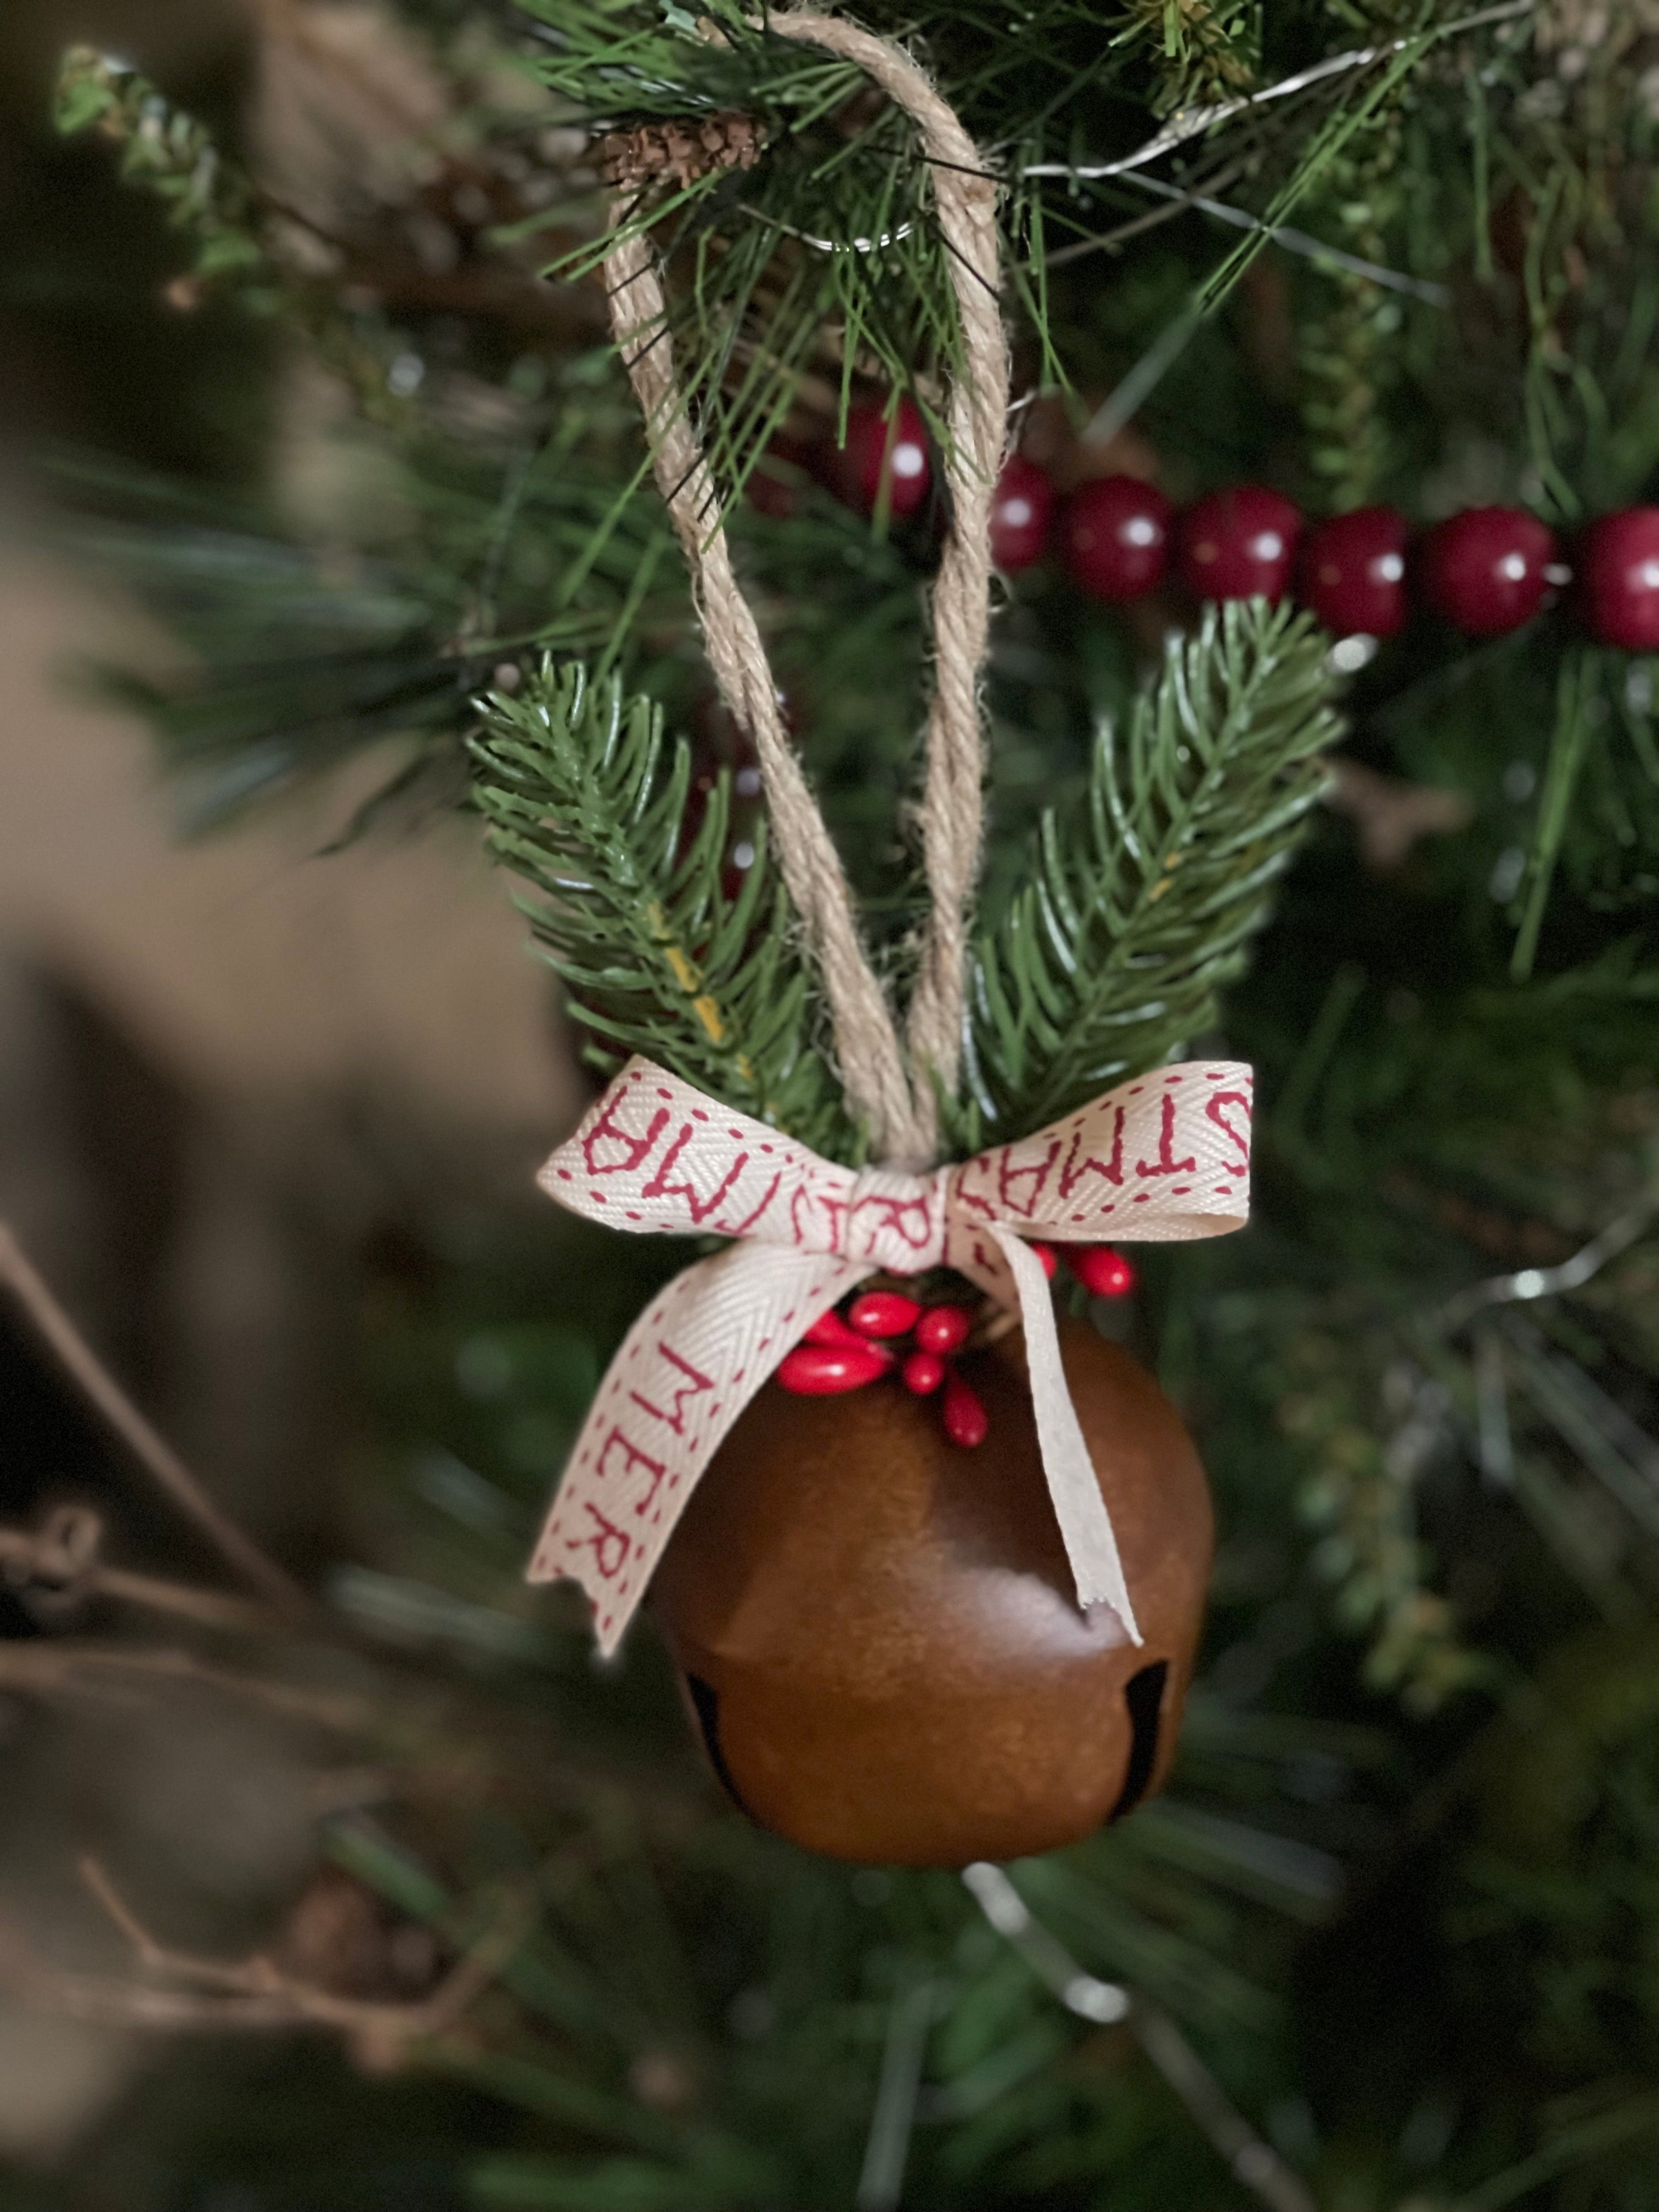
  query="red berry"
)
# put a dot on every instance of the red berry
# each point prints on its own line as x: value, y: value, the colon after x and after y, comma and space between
x: 923, y: 1373
x: 1238, y: 544
x: 831, y: 1329
x: 1046, y: 1256
x: 1352, y: 572
x: 1484, y: 569
x: 1619, y: 578
x: 1115, y: 537
x: 882, y: 1313
x: 818, y: 1370
x: 1021, y: 513
x: 945, y: 1328
x: 882, y: 458
x: 1103, y: 1272
x: 965, y: 1419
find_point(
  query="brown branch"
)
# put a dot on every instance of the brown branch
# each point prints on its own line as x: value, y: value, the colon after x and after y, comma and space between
x: 52, y: 1664
x: 255, y: 1991
x: 56, y: 1566
x: 152, y: 1451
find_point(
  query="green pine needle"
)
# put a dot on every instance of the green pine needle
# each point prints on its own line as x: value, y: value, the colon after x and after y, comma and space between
x: 1140, y: 910
x: 586, y: 801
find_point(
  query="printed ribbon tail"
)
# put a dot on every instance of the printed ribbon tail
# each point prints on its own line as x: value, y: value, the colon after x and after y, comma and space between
x: 686, y: 1370
x: 1085, y: 1526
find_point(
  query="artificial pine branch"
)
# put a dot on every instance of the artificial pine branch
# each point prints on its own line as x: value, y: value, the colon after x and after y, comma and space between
x: 1136, y: 913
x: 586, y: 801
x: 170, y: 153
x: 1203, y: 51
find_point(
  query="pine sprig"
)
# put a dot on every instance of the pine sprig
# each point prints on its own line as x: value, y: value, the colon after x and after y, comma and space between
x: 587, y: 802
x: 170, y: 153
x: 1203, y: 53
x: 1139, y: 912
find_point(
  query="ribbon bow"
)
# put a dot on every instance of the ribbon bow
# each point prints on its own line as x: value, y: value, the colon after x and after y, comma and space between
x: 1166, y: 1159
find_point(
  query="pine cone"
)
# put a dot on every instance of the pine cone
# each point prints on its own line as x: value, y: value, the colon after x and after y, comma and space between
x: 678, y: 153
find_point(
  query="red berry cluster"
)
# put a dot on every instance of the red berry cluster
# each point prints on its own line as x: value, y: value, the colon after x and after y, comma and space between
x: 843, y: 1352
x: 1487, y: 570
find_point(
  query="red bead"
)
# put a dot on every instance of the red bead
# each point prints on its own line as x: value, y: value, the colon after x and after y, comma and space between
x: 1618, y: 579
x: 1022, y: 515
x: 965, y: 1419
x: 831, y: 1329
x: 776, y: 476
x: 1103, y: 1272
x: 882, y: 456
x: 1115, y: 537
x: 1484, y: 569
x: 923, y: 1373
x: 817, y: 1371
x: 882, y: 1313
x: 1352, y: 572
x: 1238, y: 543
x: 945, y: 1328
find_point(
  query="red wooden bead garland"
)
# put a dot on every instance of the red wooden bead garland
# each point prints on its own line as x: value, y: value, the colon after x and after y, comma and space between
x: 1619, y: 579
x: 1484, y: 569
x: 1022, y: 515
x: 1352, y: 572
x: 1238, y: 543
x: 1114, y: 537
x: 882, y: 457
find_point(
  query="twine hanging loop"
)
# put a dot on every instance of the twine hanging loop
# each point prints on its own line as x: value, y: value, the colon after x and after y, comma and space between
x: 895, y: 1091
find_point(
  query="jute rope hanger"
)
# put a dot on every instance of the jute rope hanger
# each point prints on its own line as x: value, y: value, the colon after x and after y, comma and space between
x: 892, y: 1090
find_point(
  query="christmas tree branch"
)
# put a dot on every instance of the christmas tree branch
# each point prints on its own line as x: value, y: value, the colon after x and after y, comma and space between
x: 587, y: 802
x: 1134, y: 916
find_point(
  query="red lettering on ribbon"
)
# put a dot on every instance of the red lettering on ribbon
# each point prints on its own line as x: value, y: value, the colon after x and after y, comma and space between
x: 742, y: 1228
x: 1241, y: 1138
x: 635, y: 1458
x: 698, y: 1208
x: 610, y: 1545
x: 635, y: 1150
x: 910, y: 1219
x: 1074, y: 1171
x: 695, y: 1384
x: 1166, y: 1163
x: 1037, y: 1174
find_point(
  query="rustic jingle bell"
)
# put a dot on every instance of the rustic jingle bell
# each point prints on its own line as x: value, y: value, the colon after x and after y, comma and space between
x: 879, y: 1633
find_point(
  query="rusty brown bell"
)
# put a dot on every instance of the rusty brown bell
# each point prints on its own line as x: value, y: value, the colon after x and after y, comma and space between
x: 879, y: 1632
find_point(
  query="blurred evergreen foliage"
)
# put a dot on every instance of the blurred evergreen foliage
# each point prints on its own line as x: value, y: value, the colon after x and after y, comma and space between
x: 1403, y: 1898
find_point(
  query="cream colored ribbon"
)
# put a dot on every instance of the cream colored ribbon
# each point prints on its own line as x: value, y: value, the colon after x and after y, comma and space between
x: 1166, y: 1158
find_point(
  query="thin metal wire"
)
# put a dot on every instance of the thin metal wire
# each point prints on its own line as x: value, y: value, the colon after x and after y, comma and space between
x: 1297, y: 242
x: 1252, y: 2161
x: 1192, y: 122
x: 1527, y: 1283
x: 887, y: 2152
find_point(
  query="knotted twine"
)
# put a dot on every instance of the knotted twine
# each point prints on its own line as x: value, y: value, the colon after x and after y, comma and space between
x: 893, y: 1090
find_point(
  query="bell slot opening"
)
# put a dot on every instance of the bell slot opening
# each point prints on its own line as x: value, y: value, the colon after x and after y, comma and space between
x: 706, y: 1707
x: 1144, y: 1695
